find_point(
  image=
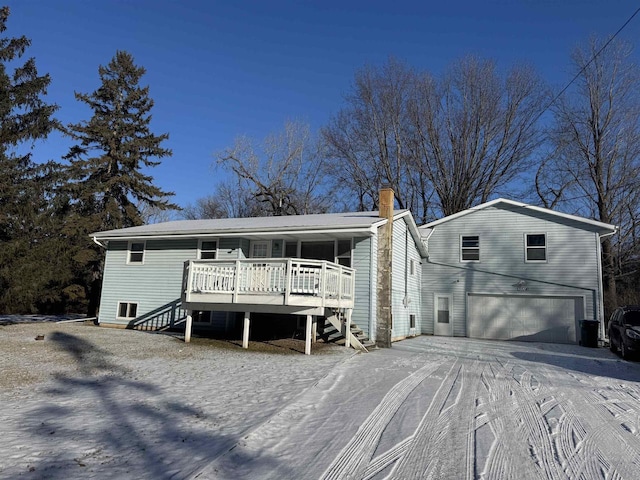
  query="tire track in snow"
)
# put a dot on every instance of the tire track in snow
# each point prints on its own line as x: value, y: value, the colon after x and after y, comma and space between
x: 354, y: 458
x: 445, y: 427
x: 508, y: 458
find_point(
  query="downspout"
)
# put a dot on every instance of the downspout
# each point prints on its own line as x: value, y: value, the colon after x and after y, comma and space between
x: 97, y: 242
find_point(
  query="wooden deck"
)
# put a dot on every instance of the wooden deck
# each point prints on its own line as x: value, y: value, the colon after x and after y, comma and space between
x: 267, y: 284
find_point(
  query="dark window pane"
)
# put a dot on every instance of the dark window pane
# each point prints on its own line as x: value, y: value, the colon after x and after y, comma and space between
x: 535, y: 241
x: 122, y: 310
x: 137, y: 247
x: 209, y: 245
x: 536, y: 254
x: 471, y: 242
x: 208, y: 255
x: 291, y: 249
x: 443, y: 316
x: 133, y: 310
x: 345, y: 261
x: 135, y: 257
x: 471, y: 255
x: 344, y: 247
x: 318, y: 251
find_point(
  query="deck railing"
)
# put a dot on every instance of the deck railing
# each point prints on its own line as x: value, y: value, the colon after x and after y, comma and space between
x: 288, y: 278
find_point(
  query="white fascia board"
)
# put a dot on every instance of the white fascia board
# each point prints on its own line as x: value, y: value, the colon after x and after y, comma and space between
x: 368, y: 231
x: 415, y: 233
x: 603, y: 226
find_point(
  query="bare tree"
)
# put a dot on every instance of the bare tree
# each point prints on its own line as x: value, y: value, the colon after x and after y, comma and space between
x: 595, y: 169
x: 476, y: 130
x: 369, y: 139
x: 232, y: 199
x: 284, y: 173
x: 443, y: 144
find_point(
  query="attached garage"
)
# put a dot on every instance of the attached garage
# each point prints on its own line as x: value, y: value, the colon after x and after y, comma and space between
x: 532, y: 318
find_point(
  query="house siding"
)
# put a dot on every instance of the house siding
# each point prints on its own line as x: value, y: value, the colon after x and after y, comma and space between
x: 154, y: 285
x: 571, y: 268
x: 405, y: 288
x: 361, y: 261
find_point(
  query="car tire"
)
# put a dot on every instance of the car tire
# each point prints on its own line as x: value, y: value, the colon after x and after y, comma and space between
x: 623, y: 351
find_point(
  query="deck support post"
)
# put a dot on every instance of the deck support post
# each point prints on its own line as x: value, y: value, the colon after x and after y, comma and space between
x: 307, y: 342
x: 187, y: 327
x: 245, y: 331
x: 314, y: 330
x: 347, y: 328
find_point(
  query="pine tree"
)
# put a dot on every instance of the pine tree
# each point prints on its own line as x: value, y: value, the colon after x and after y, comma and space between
x: 24, y: 186
x: 106, y: 179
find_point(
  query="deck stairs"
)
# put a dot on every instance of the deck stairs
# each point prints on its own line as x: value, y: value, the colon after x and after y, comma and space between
x: 333, y: 332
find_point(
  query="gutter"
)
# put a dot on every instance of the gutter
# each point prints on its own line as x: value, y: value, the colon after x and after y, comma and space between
x: 97, y: 242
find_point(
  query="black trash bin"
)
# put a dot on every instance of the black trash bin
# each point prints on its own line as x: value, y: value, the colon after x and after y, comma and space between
x: 589, y: 333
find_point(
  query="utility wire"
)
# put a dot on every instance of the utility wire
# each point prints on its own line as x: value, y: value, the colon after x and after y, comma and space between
x: 586, y: 65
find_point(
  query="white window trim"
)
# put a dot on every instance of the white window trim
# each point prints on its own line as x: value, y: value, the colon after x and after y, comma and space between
x: 257, y: 242
x: 144, y: 252
x: 468, y: 248
x: 207, y: 240
x: 412, y: 266
x: 118, y: 317
x: 546, y: 248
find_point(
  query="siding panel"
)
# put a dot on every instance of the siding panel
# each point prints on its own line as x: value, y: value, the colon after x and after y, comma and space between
x: 571, y: 268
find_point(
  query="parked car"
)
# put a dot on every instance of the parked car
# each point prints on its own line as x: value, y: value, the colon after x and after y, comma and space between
x: 624, y: 330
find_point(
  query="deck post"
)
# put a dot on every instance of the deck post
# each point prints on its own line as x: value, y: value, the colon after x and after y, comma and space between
x: 314, y: 330
x: 307, y: 342
x: 245, y: 332
x: 187, y: 327
x: 347, y: 328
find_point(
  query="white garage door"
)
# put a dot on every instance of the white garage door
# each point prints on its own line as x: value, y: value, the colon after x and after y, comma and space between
x: 524, y: 317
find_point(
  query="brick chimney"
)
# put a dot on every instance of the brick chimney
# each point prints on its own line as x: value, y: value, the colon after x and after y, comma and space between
x: 385, y: 251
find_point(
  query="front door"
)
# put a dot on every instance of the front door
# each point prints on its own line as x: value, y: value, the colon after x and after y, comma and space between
x: 442, y: 318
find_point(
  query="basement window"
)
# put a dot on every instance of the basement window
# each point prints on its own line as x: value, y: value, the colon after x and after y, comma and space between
x: 470, y: 248
x: 135, y: 252
x: 536, y: 247
x: 412, y: 321
x: 127, y: 310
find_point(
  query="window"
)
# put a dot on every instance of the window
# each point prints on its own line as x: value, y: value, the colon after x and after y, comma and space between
x: 260, y: 249
x: 318, y: 251
x: 344, y: 253
x: 127, y: 310
x: 470, y: 248
x: 208, y: 250
x: 136, y: 252
x: 291, y: 249
x: 412, y: 266
x: 442, y: 309
x: 536, y: 247
x: 412, y: 321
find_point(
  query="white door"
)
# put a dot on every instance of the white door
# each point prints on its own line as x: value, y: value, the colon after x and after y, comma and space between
x: 534, y: 318
x: 442, y: 314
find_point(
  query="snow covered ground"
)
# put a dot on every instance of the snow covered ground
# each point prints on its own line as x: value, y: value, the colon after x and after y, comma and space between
x: 98, y: 403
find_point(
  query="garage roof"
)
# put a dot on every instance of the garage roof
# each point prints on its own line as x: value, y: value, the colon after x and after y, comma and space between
x: 594, y: 225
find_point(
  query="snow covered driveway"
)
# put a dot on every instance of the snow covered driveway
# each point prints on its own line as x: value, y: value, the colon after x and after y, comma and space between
x: 435, y: 408
x: 97, y: 403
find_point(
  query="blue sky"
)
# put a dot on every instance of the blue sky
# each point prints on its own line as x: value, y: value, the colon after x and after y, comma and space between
x: 217, y: 69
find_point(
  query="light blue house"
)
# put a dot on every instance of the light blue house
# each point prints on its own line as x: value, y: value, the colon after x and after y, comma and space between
x: 502, y: 270
x: 508, y: 270
x: 236, y: 275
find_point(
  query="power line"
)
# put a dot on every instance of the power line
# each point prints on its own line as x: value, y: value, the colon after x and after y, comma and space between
x: 586, y: 65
